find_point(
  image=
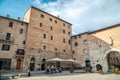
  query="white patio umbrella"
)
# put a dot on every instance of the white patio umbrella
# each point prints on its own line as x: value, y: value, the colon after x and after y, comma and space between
x: 71, y: 61
x: 55, y: 59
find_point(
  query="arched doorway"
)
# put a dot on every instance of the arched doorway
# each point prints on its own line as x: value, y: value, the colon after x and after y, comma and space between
x: 32, y: 64
x: 43, y: 63
x: 18, y: 65
x: 113, y: 60
x: 87, y: 62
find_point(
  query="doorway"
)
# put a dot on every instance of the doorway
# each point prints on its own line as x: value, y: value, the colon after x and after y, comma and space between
x: 113, y: 60
x: 32, y: 64
x: 18, y: 65
x: 43, y: 63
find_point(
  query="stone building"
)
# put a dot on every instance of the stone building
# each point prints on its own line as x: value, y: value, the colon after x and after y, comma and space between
x: 42, y: 36
x: 29, y: 43
x: 12, y: 43
x: 47, y: 37
x: 98, y: 47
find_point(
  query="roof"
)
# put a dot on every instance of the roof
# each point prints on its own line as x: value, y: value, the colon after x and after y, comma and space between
x: 50, y: 14
x: 80, y: 34
x: 13, y: 19
x: 112, y: 26
x: 89, y: 32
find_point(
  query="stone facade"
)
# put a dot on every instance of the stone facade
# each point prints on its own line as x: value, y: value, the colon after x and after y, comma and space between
x: 42, y: 36
x: 12, y: 37
x: 50, y: 39
x: 45, y: 36
x: 99, y: 45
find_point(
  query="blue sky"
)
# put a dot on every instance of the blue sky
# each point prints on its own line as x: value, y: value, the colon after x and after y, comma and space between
x: 85, y: 15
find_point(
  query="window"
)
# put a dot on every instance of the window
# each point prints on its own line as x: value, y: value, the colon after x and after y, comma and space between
x: 79, y: 36
x: 51, y: 37
x: 68, y: 26
x: 42, y: 16
x: 68, y: 33
x: 44, y: 47
x: 63, y: 24
x: 10, y: 24
x: 55, y: 21
x: 73, y: 52
x: 40, y: 24
x: 75, y: 37
x: 44, y: 36
x: 55, y: 49
x: 63, y: 40
x: 50, y: 19
x: 69, y: 42
x: 22, y: 23
x: 21, y: 31
x: 23, y: 42
x: 85, y: 42
x: 74, y: 58
x: 64, y: 50
x: 84, y: 50
x: 64, y: 31
x: 51, y: 28
x: 8, y: 35
x: 76, y: 44
x: 5, y: 47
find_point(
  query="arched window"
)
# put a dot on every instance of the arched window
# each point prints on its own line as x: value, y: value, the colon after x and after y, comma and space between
x: 76, y: 44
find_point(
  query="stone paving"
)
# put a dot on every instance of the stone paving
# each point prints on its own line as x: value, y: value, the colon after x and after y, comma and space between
x: 71, y: 76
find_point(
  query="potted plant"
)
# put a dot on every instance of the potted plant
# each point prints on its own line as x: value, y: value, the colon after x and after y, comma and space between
x: 116, y: 70
x: 71, y: 70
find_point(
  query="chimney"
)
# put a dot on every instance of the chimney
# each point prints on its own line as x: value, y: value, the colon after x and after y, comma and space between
x: 8, y: 16
x: 58, y: 16
x: 18, y: 18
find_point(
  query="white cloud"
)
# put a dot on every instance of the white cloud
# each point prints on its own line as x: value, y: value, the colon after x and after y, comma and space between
x: 85, y: 15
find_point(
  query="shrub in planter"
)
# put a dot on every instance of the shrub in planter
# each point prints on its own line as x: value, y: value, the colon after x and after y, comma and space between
x: 116, y: 71
x: 71, y: 70
x: 101, y: 71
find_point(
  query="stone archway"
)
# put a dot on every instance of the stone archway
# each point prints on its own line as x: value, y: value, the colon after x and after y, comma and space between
x: 113, y: 58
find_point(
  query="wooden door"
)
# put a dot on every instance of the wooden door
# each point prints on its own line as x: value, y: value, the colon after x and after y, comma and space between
x: 18, y: 65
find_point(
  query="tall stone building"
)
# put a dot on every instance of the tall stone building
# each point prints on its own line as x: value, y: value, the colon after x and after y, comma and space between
x: 29, y: 43
x: 98, y: 47
x: 12, y: 43
x: 47, y: 37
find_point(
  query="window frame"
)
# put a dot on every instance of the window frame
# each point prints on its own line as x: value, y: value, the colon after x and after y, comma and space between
x: 5, y: 47
x: 10, y: 24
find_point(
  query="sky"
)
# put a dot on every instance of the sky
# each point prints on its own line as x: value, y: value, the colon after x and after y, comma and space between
x: 85, y: 15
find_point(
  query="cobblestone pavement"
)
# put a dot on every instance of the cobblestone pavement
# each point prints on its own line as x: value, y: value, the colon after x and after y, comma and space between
x: 72, y: 76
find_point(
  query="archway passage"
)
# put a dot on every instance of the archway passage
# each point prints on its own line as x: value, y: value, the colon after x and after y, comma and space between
x: 113, y: 59
x: 18, y: 65
x: 32, y: 64
x: 43, y: 63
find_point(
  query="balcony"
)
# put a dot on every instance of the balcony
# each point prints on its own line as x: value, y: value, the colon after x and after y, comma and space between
x: 4, y: 39
x: 20, y: 52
